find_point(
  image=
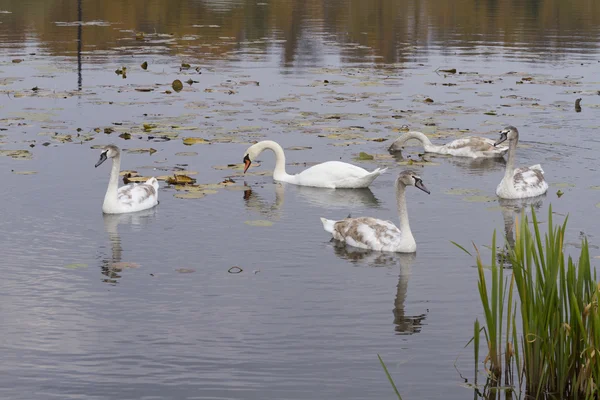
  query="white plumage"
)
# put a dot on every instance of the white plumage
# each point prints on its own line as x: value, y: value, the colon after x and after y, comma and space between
x: 377, y: 234
x: 330, y: 174
x: 522, y: 182
x: 129, y: 198
x: 473, y: 146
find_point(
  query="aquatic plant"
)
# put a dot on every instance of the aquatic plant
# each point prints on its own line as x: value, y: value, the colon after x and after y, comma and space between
x: 554, y: 351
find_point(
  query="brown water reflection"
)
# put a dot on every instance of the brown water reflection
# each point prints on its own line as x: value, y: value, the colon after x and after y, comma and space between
x: 383, y: 31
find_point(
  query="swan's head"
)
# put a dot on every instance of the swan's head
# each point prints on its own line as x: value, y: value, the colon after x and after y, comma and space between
x: 509, y: 133
x: 249, y: 155
x: 109, y: 151
x: 411, y: 178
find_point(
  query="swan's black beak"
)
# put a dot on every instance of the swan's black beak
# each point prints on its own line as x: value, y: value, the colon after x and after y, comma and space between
x: 247, y: 163
x: 102, y: 159
x: 419, y: 184
x: 503, y: 137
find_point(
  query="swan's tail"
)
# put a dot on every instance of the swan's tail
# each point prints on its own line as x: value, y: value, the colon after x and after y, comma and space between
x: 538, y: 167
x: 328, y: 224
x: 153, y: 182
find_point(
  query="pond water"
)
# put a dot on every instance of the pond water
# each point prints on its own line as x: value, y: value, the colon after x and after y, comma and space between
x: 143, y: 307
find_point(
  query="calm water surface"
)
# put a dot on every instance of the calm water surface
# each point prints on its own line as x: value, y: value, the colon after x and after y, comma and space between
x: 143, y: 307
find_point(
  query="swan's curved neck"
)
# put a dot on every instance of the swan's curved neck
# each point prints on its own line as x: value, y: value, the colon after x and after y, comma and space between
x: 402, y: 210
x: 510, y: 162
x: 414, y: 135
x: 113, y: 182
x: 279, y: 172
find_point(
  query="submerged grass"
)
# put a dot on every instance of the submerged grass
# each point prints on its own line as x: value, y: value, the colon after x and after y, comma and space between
x: 554, y: 352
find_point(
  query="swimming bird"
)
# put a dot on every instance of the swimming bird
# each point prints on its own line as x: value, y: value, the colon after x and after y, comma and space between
x: 330, y: 174
x: 377, y: 234
x: 470, y: 146
x: 521, y: 182
x: 130, y: 198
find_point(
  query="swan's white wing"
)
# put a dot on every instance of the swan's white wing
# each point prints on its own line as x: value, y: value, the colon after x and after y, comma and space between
x: 530, y: 179
x: 336, y: 174
x: 137, y: 195
x: 474, y: 147
x: 367, y: 233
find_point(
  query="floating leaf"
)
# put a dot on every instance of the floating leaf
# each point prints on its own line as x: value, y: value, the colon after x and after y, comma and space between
x: 364, y: 156
x: 144, y: 89
x: 448, y: 71
x: 194, y: 140
x: 20, y: 154
x: 559, y: 193
x: 185, y: 65
x: 234, y: 166
x: 458, y: 191
x: 235, y: 270
x: 189, y: 195
x: 125, y: 136
x: 177, y: 85
x: 140, y: 151
x: 120, y: 265
x: 76, y: 265
x: 478, y: 199
x: 258, y: 222
x: 144, y: 65
x: 185, y: 270
x: 298, y: 148
x: 180, y: 180
x: 25, y: 172
x: 563, y: 185
x: 186, y: 154
x: 490, y: 113
x: 428, y: 100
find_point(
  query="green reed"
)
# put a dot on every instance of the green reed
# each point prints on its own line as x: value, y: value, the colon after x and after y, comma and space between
x: 555, y: 351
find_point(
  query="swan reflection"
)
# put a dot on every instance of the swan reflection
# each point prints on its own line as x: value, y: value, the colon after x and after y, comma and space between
x: 328, y: 198
x: 513, y: 207
x: 337, y: 198
x: 112, y: 265
x: 474, y: 166
x: 404, y: 324
x: 255, y: 202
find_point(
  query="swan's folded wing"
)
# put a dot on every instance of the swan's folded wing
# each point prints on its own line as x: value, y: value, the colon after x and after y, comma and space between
x: 365, y: 232
x: 136, y: 194
x: 473, y: 143
x: 528, y: 178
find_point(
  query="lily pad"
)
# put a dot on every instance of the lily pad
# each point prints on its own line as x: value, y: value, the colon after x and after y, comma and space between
x: 234, y: 166
x: 458, y: 191
x: 479, y: 199
x: 259, y: 222
x: 140, y: 151
x: 76, y: 265
x: 177, y: 85
x: 563, y: 185
x: 120, y: 265
x: 17, y: 154
x: 180, y: 180
x: 190, y: 195
x: 194, y: 140
x: 364, y: 156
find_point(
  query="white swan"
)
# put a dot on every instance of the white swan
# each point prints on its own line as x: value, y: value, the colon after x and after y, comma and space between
x: 472, y: 146
x: 376, y: 234
x: 330, y: 174
x: 130, y: 198
x: 521, y: 182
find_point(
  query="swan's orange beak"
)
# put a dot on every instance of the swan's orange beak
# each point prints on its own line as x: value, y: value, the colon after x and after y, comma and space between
x: 247, y: 163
